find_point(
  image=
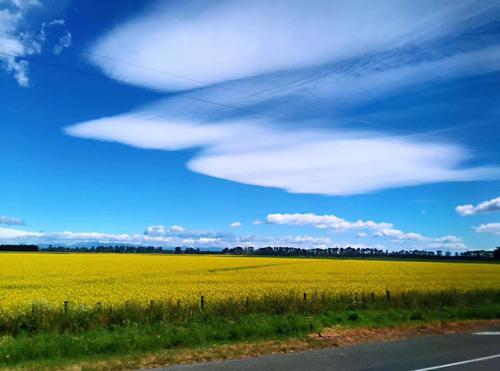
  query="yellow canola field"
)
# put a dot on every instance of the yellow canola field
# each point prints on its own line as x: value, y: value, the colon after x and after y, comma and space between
x: 115, y: 278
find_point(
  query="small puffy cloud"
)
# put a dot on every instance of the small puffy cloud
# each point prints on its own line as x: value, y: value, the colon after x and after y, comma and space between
x: 202, y: 239
x: 492, y: 228
x: 482, y: 208
x: 420, y: 241
x: 176, y: 229
x: 63, y: 43
x: 396, y: 234
x: 160, y: 230
x: 331, y: 222
x: 235, y: 225
x: 257, y: 222
x: 155, y: 230
x: 211, y: 239
x: 7, y: 220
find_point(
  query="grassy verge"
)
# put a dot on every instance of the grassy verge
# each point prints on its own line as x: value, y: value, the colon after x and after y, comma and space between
x: 50, y: 336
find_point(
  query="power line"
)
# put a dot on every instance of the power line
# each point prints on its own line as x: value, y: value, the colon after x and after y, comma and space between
x: 198, y: 99
x: 107, y: 78
x: 171, y: 74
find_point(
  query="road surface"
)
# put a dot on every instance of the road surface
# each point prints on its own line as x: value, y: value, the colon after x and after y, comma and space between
x: 449, y: 352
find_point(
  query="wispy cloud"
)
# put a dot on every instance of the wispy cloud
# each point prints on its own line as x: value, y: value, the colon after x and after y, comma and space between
x: 235, y: 225
x: 7, y: 220
x: 491, y: 228
x: 482, y: 208
x: 19, y: 40
x: 14, y: 43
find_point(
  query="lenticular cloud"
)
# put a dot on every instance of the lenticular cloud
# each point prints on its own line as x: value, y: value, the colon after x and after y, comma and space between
x: 184, y: 45
x: 299, y: 161
x: 255, y: 74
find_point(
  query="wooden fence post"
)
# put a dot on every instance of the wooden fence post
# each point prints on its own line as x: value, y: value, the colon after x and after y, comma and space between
x: 305, y: 297
x: 202, y: 302
x: 441, y: 321
x: 65, y: 306
x: 388, y: 296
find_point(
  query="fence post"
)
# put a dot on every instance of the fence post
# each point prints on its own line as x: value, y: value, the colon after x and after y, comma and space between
x: 441, y: 321
x: 305, y: 297
x: 356, y: 298
x: 65, y: 306
x: 388, y: 296
x: 202, y: 302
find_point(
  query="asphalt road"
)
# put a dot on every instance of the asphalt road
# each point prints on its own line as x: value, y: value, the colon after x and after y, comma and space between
x: 450, y: 352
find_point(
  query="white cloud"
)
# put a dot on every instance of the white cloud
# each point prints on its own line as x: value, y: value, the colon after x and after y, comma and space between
x: 195, y: 45
x: 158, y: 236
x: 492, y: 228
x: 160, y: 230
x: 14, y: 43
x: 63, y: 43
x: 155, y: 230
x: 176, y: 229
x: 7, y: 234
x: 22, y: 4
x: 18, y: 42
x: 331, y: 222
x: 273, y: 49
x: 257, y: 222
x: 421, y: 242
x: 379, y: 230
x: 396, y: 234
x: 235, y: 225
x: 199, y: 239
x: 330, y: 162
x: 484, y: 207
x: 10, y: 220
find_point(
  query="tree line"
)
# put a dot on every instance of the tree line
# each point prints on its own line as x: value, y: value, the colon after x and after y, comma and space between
x: 348, y: 252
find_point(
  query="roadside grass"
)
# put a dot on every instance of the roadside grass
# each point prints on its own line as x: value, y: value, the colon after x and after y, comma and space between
x: 49, y: 337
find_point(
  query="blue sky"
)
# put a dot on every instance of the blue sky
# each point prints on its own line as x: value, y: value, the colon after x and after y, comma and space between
x: 213, y: 124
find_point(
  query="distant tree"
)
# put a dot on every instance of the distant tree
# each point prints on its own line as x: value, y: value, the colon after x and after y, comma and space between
x: 496, y: 253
